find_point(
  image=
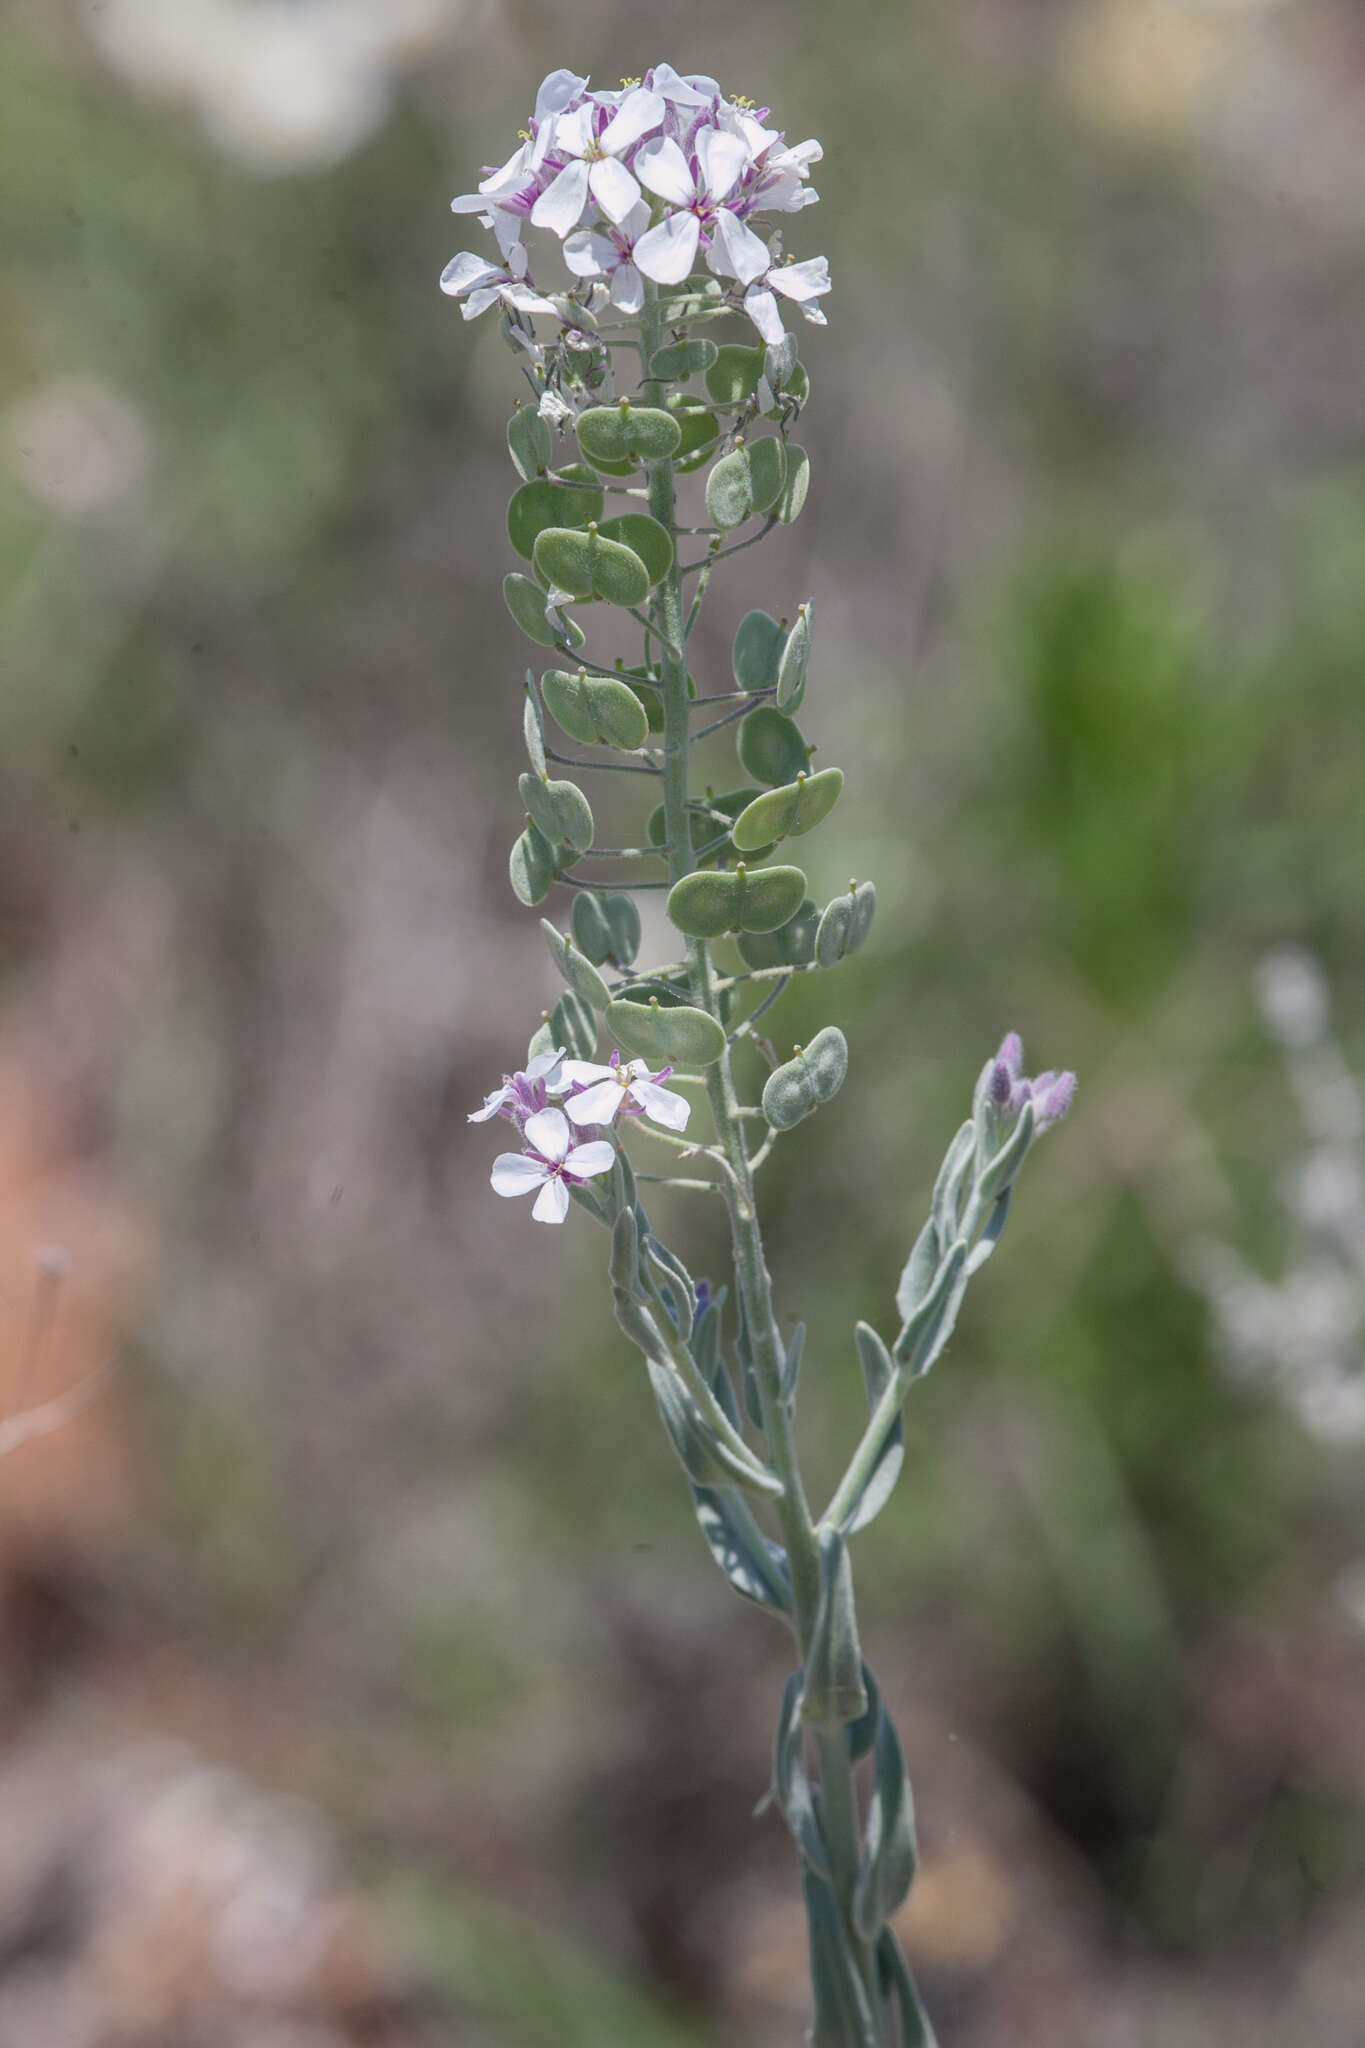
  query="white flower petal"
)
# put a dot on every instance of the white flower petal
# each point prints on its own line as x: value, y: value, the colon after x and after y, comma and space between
x: 547, y: 1132
x: 491, y: 1105
x: 552, y: 1203
x: 808, y: 280
x: 635, y: 223
x: 514, y: 1174
x: 465, y: 271
x: 560, y: 205
x: 545, y: 1067
x: 471, y: 202
x: 573, y: 132
x: 661, y: 1105
x: 586, y: 1072
x: 667, y: 251
x: 737, y: 251
x: 589, y: 255
x: 507, y: 228
x: 627, y: 288
x: 693, y: 91
x: 761, y: 308
x: 596, y: 1105
x: 509, y: 177
x: 587, y: 1161
x: 480, y: 301
x: 612, y: 186
x: 661, y: 165
x: 638, y: 112
x: 557, y: 92
x: 722, y: 158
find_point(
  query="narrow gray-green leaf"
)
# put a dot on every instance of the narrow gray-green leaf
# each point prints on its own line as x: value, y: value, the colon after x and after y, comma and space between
x: 755, y: 1566
x: 834, y: 1691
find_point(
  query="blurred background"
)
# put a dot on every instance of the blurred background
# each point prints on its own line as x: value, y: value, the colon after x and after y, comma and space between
x: 363, y: 1677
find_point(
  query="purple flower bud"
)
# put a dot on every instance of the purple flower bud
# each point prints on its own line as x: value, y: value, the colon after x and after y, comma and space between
x: 1011, y: 1055
x: 1052, y: 1095
x: 1001, y: 1085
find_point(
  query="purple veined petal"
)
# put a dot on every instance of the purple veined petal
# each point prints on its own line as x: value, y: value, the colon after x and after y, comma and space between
x: 666, y: 253
x: 557, y: 92
x: 547, y: 1132
x: 662, y: 1105
x: 596, y: 1105
x: 491, y: 1105
x: 660, y: 165
x: 761, y: 308
x: 514, y: 1174
x: 694, y: 91
x: 465, y: 271
x: 552, y: 1203
x: 583, y: 1073
x: 722, y: 158
x: 589, y: 255
x: 806, y: 280
x: 574, y: 131
x: 638, y: 113
x: 737, y: 250
x: 585, y: 1162
x: 627, y: 288
x: 612, y: 186
x: 560, y: 205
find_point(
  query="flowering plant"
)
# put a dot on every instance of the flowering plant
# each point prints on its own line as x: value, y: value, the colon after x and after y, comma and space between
x: 662, y: 198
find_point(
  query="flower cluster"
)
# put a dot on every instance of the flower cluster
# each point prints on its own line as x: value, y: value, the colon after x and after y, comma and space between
x: 1011, y: 1088
x: 636, y: 184
x: 592, y: 1098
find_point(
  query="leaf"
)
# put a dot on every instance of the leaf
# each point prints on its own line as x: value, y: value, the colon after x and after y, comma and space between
x: 918, y: 1275
x: 814, y: 1075
x: 887, y: 1868
x: 670, y: 1267
x: 991, y: 1235
x: 624, y: 1264
x: 843, y: 2018
x: 791, y: 1366
x: 705, y: 1457
x: 791, y: 1786
x: 947, y: 1197
x: 878, y: 1369
x: 897, y: 1984
x: 1001, y: 1171
x: 930, y: 1327
x: 758, y: 1574
x: 687, y: 1036
x: 834, y: 1692
x: 797, y: 807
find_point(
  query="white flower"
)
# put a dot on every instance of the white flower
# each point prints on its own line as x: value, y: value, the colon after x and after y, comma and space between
x: 623, y: 1086
x: 804, y: 282
x: 595, y: 137
x: 667, y: 252
x: 591, y: 253
x: 551, y: 1163
x: 524, y: 1092
x: 481, y: 284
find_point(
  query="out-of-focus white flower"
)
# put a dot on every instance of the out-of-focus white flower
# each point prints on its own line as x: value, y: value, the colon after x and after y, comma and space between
x: 278, y: 85
x: 77, y: 445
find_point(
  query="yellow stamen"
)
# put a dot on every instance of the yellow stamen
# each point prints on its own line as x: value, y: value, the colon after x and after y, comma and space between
x: 628, y: 82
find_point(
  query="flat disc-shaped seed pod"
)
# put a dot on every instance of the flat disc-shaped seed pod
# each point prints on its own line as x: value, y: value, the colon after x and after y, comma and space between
x: 628, y: 433
x: 606, y: 928
x: 543, y: 503
x: 559, y: 810
x: 791, y: 945
x: 686, y: 1036
x: 730, y: 803
x: 528, y: 442
x: 795, y: 485
x: 700, y: 432
x: 595, y: 710
x: 679, y: 359
x: 747, y: 480
x: 784, y: 813
x: 791, y: 669
x: 573, y: 1024
x: 645, y: 537
x: 579, y: 972
x: 623, y: 922
x: 757, y: 656
x: 734, y: 375
x: 533, y: 729
x: 845, y: 924
x: 811, y: 1077
x: 795, y: 390
x: 700, y: 829
x: 585, y: 565
x: 525, y: 600
x: 532, y: 867
x: 740, y: 899
x: 770, y: 745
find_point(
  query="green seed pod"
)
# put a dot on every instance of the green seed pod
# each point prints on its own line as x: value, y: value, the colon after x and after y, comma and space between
x: 845, y: 924
x: 648, y: 1031
x: 791, y: 945
x: 795, y: 486
x: 623, y: 923
x: 770, y: 746
x: 700, y: 432
x: 592, y: 934
x: 573, y: 1024
x: 699, y: 829
x: 533, y: 729
x: 628, y: 433
x: 785, y: 813
x: 730, y: 804
x: 814, y: 1075
x: 582, y: 977
x: 584, y: 565
x: 528, y: 443
x: 645, y: 537
x: 791, y: 670
x: 757, y: 657
x: 542, y: 503
x: 525, y: 600
x: 542, y: 1040
x: 559, y: 810
x: 741, y: 899
x: 747, y: 480
x: 795, y: 391
x: 595, y: 710
x: 779, y: 362
x: 532, y: 867
x: 681, y: 359
x: 734, y: 375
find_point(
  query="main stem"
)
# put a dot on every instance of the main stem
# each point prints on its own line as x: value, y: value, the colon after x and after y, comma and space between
x: 839, y: 1801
